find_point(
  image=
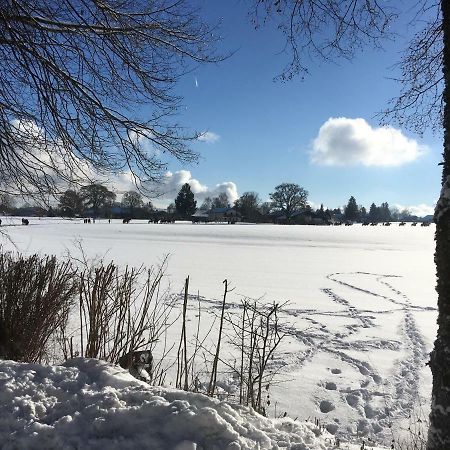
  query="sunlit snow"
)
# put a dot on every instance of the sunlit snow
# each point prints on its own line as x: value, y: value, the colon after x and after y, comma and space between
x: 361, y: 307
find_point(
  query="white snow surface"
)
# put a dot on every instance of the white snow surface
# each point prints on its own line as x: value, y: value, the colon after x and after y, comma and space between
x: 89, y: 404
x: 361, y: 315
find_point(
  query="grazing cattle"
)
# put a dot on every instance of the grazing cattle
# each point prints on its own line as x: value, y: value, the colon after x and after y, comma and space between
x: 401, y: 224
x: 126, y: 220
x: 365, y: 223
x: 373, y: 224
x: 25, y: 222
x: 387, y: 224
x: 337, y: 223
x: 414, y: 224
x: 425, y: 224
x: 348, y: 223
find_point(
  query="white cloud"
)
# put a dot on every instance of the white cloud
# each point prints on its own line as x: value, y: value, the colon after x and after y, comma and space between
x: 209, y: 137
x: 347, y: 142
x: 420, y: 210
x: 172, y: 182
x: 73, y: 170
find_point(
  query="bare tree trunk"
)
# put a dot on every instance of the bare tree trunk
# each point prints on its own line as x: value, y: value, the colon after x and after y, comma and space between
x: 439, y: 432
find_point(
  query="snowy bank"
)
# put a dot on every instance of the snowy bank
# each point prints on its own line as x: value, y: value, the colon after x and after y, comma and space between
x: 89, y: 404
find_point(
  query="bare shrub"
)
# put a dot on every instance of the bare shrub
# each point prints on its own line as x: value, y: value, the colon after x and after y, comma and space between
x: 415, y: 435
x: 119, y: 313
x: 255, y: 333
x: 36, y: 294
x: 258, y: 333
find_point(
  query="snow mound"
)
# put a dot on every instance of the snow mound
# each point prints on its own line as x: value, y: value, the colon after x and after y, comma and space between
x: 90, y: 404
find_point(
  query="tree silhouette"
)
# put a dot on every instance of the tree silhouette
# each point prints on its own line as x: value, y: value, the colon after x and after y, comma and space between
x: 351, y: 211
x: 248, y: 205
x: 96, y: 196
x: 289, y: 198
x: 73, y: 81
x: 185, y: 204
x: 70, y: 203
x: 132, y: 200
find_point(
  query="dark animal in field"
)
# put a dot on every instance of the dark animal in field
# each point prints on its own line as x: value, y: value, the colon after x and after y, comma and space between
x: 401, y: 224
x: 25, y: 222
x: 373, y: 224
x: 365, y: 223
x: 425, y: 224
x: 348, y: 223
x: 387, y: 224
x: 139, y: 364
x: 126, y: 220
x: 414, y: 224
x: 337, y: 223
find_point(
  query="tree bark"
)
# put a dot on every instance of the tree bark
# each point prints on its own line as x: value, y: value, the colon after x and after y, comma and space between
x: 439, y: 431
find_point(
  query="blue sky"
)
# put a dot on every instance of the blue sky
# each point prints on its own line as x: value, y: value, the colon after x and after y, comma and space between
x: 264, y: 131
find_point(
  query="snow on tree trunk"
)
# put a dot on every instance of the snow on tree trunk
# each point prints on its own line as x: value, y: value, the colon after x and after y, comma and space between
x: 439, y: 432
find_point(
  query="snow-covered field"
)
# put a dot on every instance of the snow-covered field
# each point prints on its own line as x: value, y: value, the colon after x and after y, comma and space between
x: 361, y: 311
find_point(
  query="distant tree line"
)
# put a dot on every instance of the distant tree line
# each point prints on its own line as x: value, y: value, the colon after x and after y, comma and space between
x: 383, y: 213
x: 93, y: 200
x: 288, y: 204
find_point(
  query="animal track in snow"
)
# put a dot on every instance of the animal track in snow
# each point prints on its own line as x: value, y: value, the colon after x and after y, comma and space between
x: 377, y: 399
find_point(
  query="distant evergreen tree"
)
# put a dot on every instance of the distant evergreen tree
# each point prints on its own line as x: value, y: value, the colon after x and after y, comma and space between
x: 351, y: 211
x: 185, y: 204
x: 362, y: 214
x: 385, y: 212
x: 321, y: 212
x: 374, y: 213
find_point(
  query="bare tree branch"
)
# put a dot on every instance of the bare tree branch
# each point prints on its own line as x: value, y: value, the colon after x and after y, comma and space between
x: 86, y: 87
x: 327, y: 29
x: 420, y: 103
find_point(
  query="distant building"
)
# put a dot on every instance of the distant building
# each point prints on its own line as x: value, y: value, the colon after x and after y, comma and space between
x: 226, y: 214
x: 302, y: 217
x: 200, y: 216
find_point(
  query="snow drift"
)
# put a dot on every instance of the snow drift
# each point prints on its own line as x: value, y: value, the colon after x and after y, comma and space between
x: 90, y: 404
